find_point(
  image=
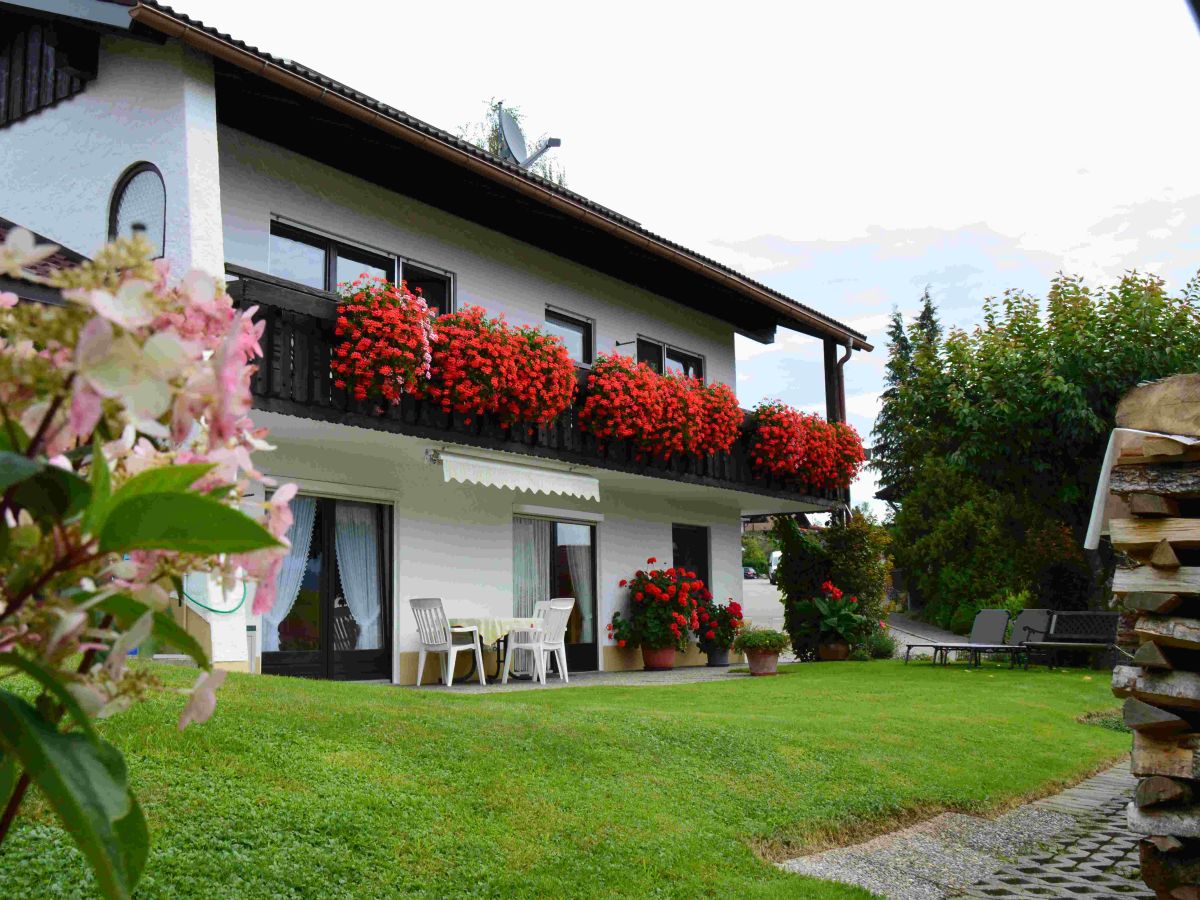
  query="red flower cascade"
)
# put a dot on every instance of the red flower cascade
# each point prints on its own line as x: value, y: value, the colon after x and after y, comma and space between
x: 484, y: 365
x: 787, y: 443
x: 387, y: 337
x: 661, y: 415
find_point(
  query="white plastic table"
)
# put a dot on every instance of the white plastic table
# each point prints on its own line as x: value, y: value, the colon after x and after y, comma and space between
x: 492, y: 631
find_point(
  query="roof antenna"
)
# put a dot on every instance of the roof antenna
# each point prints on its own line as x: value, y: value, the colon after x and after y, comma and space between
x: 512, y: 142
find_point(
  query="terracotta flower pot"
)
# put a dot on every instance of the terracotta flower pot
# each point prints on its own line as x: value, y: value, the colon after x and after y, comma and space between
x: 763, y: 662
x: 833, y: 651
x: 658, y: 658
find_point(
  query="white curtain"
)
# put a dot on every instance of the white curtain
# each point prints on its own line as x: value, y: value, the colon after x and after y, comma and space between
x: 291, y: 574
x: 531, y: 563
x: 356, y: 536
x: 579, y: 561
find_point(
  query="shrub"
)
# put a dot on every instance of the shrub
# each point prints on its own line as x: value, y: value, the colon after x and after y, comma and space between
x: 760, y: 640
x: 660, y: 415
x: 716, y: 625
x: 126, y: 458
x: 754, y: 551
x: 387, y: 343
x: 787, y: 443
x: 830, y: 615
x: 880, y: 643
x: 852, y: 555
x: 859, y: 654
x: 662, y: 608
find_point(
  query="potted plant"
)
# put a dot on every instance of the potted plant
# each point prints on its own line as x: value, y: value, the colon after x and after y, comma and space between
x: 762, y: 647
x: 839, y: 624
x: 662, y: 608
x: 716, y: 627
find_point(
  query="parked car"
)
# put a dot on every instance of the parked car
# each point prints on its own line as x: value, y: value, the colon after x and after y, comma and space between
x: 749, y: 572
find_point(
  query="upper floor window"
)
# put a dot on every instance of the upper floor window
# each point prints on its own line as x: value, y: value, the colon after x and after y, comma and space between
x: 139, y: 206
x: 436, y: 287
x: 575, y: 333
x: 667, y: 360
x: 320, y: 262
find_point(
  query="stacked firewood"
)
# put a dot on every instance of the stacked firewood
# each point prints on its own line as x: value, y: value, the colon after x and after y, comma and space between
x: 1153, y: 516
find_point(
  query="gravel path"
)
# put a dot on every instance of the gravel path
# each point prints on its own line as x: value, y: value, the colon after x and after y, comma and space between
x: 1074, y: 844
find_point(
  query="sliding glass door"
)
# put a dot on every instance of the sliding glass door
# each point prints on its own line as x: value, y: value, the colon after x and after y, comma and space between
x: 332, y: 617
x: 558, y: 559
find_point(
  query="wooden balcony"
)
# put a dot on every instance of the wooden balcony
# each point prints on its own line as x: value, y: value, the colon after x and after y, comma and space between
x: 295, y: 380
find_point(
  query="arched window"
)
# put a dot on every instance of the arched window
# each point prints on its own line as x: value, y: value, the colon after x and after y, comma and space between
x: 139, y: 204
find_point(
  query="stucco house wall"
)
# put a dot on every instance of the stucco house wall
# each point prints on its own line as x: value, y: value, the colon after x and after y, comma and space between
x: 455, y: 541
x: 149, y: 103
x: 260, y: 181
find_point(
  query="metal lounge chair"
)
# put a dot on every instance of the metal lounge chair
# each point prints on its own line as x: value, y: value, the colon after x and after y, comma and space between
x: 1030, y: 625
x: 986, y: 631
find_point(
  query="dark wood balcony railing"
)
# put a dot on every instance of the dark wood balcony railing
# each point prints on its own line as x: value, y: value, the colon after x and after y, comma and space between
x: 295, y: 380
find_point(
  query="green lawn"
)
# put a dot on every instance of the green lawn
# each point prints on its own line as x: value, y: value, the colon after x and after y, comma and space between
x: 299, y: 788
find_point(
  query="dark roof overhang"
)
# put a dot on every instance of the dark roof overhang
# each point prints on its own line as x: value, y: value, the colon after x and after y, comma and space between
x: 539, y: 211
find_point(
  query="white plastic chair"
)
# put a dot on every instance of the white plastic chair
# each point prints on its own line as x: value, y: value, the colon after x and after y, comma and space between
x: 550, y: 638
x: 523, y: 665
x: 437, y: 636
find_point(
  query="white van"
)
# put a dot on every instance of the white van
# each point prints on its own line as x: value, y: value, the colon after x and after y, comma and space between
x: 773, y: 564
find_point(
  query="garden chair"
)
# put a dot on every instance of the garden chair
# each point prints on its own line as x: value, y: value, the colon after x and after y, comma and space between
x: 437, y: 636
x: 987, y: 630
x: 549, y: 639
x: 523, y: 665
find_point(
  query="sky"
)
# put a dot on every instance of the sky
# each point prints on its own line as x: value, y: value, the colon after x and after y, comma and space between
x: 849, y: 154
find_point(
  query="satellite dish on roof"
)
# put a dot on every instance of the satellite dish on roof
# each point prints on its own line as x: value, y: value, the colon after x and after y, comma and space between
x: 512, y: 142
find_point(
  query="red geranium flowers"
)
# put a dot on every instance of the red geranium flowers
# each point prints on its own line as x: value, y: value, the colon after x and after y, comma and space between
x: 717, y: 625
x: 465, y: 361
x: 387, y: 341
x: 484, y: 365
x: 663, y: 608
x: 661, y: 415
x: 790, y: 444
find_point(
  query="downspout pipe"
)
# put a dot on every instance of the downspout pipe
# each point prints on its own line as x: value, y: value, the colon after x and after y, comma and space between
x: 841, y: 382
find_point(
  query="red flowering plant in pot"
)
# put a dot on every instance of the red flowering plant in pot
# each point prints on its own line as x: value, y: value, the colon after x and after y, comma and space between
x: 662, y: 609
x: 387, y: 339
x: 789, y: 444
x: 484, y: 365
x: 716, y: 628
x: 834, y: 620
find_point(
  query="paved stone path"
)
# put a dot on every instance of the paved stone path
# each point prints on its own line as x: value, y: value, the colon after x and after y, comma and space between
x: 1073, y: 844
x: 681, y: 675
x: 907, y: 630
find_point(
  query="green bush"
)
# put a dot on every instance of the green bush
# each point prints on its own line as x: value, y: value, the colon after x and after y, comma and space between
x: 851, y: 554
x: 880, y: 644
x: 756, y: 548
x: 859, y: 654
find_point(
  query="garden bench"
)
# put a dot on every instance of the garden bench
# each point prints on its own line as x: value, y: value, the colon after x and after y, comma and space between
x: 1084, y: 630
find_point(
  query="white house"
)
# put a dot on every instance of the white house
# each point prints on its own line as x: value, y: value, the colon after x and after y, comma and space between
x: 233, y: 160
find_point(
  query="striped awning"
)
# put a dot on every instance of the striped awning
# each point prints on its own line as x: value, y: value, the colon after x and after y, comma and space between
x: 516, y: 477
